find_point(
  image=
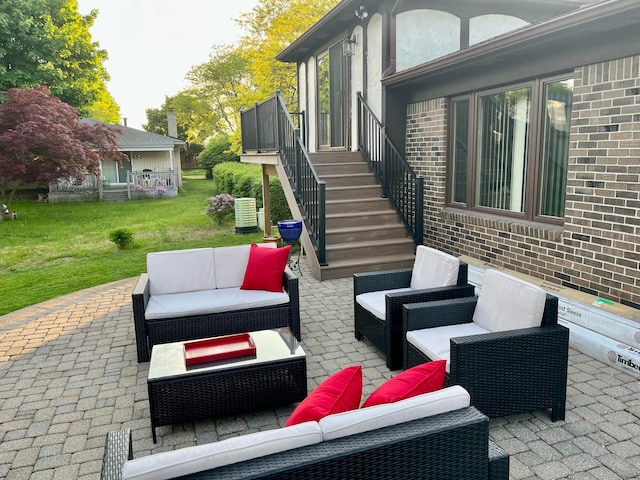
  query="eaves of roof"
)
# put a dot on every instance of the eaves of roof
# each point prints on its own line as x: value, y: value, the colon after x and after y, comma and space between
x: 134, y: 139
x: 341, y: 19
x: 586, y: 22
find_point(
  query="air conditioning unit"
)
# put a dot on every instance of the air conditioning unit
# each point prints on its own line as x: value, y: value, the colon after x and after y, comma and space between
x: 246, y: 217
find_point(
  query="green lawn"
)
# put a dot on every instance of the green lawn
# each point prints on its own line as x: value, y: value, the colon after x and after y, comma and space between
x: 54, y: 249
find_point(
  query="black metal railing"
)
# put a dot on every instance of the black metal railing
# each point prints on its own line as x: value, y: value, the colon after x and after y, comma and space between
x: 269, y: 127
x: 403, y: 187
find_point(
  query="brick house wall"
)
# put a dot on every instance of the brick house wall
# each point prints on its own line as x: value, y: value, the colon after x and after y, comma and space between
x: 597, y: 251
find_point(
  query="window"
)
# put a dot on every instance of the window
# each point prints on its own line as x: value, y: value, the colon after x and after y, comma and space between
x: 509, y: 150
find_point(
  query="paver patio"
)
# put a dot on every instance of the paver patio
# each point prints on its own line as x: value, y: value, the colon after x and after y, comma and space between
x: 69, y: 374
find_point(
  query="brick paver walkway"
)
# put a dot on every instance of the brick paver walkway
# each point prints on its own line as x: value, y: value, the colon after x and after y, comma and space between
x: 69, y: 374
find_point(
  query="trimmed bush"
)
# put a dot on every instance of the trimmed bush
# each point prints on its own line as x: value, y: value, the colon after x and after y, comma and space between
x: 244, y: 180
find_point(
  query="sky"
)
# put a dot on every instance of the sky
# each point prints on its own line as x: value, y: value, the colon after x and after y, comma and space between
x: 152, y: 45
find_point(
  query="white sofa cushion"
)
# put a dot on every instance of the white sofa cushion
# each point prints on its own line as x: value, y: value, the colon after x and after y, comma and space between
x: 210, y: 301
x: 190, y: 460
x: 178, y: 271
x: 365, y: 419
x: 433, y: 268
x: 231, y: 263
x: 374, y: 302
x: 434, y: 342
x: 506, y: 302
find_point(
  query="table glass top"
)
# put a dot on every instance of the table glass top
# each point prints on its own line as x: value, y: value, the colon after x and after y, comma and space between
x: 167, y: 359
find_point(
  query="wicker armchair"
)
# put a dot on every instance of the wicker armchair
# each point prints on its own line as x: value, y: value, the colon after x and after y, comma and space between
x: 378, y: 297
x: 506, y: 371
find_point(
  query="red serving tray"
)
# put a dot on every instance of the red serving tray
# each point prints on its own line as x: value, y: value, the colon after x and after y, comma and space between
x: 203, y: 351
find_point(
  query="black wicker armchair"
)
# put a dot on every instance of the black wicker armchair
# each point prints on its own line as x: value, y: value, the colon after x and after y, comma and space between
x: 386, y: 333
x: 505, y: 372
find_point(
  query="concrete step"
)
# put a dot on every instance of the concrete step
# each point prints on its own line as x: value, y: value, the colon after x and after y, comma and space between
x: 355, y: 219
x: 369, y: 249
x: 353, y: 192
x: 366, y: 233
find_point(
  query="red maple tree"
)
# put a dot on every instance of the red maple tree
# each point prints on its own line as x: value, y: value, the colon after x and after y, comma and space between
x: 43, y: 140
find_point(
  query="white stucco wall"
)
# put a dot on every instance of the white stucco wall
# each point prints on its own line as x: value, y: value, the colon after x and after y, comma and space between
x: 485, y: 27
x: 423, y: 35
x: 302, y: 94
x: 374, y: 65
x: 312, y: 105
x: 357, y: 84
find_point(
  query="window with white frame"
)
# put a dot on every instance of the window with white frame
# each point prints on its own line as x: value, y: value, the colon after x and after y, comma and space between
x: 509, y: 150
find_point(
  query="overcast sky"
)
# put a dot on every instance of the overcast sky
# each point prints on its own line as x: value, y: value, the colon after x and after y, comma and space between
x: 152, y: 44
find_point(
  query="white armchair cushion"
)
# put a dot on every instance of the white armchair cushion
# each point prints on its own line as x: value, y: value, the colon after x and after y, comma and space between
x: 184, y: 461
x: 231, y: 263
x: 178, y: 271
x: 435, y: 342
x: 371, y: 418
x: 210, y: 301
x: 374, y: 302
x: 506, y: 302
x: 433, y: 268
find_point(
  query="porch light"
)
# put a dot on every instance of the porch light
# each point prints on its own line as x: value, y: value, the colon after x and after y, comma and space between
x: 361, y: 12
x: 349, y: 46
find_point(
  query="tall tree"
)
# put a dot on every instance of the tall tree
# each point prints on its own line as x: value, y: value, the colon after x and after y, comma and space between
x: 43, y: 140
x: 222, y: 83
x: 104, y: 108
x: 269, y: 28
x: 47, y: 42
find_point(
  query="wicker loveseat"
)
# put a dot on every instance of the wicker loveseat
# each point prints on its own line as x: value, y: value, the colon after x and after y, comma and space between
x: 195, y: 293
x: 453, y: 444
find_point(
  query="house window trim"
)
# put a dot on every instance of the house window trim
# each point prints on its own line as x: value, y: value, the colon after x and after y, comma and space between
x: 534, y: 149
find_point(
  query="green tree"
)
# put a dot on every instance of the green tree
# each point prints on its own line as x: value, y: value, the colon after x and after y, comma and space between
x: 104, y: 108
x: 47, y: 42
x: 222, y: 83
x: 269, y: 28
x: 217, y: 150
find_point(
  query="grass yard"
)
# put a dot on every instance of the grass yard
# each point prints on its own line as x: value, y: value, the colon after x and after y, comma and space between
x: 55, y: 249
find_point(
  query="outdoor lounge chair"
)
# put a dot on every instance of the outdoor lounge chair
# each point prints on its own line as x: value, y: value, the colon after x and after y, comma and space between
x: 378, y: 297
x: 504, y: 346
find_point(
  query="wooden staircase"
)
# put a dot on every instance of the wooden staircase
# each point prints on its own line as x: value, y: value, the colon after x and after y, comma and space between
x: 363, y: 231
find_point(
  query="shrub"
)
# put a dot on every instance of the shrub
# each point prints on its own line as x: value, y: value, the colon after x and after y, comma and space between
x: 220, y: 207
x: 122, y: 237
x: 244, y: 180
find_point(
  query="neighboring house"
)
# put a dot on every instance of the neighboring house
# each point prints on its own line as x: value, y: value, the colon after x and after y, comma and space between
x: 522, y: 117
x: 153, y: 166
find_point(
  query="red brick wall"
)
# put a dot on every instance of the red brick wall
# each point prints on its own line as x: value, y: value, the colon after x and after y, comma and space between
x: 598, y: 249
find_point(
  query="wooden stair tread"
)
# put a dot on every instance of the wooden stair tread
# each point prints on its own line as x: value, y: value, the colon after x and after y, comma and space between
x: 370, y: 244
x: 369, y: 261
x: 365, y: 228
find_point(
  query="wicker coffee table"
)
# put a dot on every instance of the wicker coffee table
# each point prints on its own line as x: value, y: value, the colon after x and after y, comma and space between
x: 276, y: 375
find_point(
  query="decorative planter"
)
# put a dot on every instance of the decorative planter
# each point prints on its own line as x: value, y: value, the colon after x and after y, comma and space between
x: 290, y: 230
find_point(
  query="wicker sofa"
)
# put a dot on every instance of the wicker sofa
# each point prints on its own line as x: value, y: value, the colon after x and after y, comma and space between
x: 195, y: 293
x: 385, y: 441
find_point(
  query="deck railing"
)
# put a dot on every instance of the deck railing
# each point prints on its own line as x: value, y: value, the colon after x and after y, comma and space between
x: 400, y: 183
x: 88, y: 182
x: 269, y: 127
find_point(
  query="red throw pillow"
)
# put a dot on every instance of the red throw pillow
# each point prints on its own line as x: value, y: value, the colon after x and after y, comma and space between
x: 424, y: 378
x: 340, y: 392
x: 265, y: 268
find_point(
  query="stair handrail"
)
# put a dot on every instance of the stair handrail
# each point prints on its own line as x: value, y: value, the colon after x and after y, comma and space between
x: 400, y: 183
x: 269, y: 127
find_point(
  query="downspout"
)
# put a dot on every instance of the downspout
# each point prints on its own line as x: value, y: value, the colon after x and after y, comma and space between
x: 391, y: 68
